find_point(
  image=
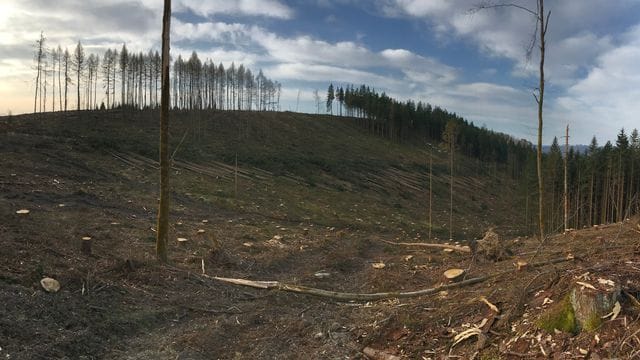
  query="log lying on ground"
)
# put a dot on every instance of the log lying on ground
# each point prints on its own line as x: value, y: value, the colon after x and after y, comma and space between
x: 464, y: 249
x: 345, y: 296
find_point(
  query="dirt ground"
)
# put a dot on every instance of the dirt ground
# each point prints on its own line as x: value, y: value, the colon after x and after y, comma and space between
x: 120, y: 303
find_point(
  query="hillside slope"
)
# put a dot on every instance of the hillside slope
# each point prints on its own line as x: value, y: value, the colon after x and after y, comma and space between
x: 346, y: 176
x: 316, y: 200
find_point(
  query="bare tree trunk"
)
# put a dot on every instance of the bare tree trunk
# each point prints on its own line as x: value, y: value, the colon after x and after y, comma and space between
x: 566, y: 197
x: 163, y: 211
x: 543, y: 31
x: 59, y: 71
x: 430, y: 192
x: 452, y: 147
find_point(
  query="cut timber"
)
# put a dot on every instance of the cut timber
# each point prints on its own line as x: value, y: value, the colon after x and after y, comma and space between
x: 464, y: 249
x: 374, y: 354
x: 453, y: 275
x: 85, y: 246
x: 592, y: 303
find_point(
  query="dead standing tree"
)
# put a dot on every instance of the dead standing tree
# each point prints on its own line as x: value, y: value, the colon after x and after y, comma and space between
x: 542, y: 23
x: 39, y: 58
x: 163, y: 211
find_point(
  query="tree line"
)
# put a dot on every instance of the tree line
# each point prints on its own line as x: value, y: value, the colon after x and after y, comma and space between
x: 603, y: 182
x: 121, y: 78
x: 408, y: 121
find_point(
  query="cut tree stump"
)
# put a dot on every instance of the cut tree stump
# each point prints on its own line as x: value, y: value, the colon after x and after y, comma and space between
x: 85, y: 246
x: 492, y: 246
x: 592, y: 302
x: 453, y: 275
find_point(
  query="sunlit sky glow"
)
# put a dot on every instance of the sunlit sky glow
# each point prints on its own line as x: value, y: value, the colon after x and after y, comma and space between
x: 435, y: 51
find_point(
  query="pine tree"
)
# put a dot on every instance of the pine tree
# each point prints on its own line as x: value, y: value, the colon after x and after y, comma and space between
x: 330, y: 97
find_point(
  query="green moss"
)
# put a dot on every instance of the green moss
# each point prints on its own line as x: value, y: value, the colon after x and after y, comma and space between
x: 593, y: 322
x: 560, y: 316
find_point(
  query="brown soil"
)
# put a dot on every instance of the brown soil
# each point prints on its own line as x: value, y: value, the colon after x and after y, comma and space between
x: 120, y: 303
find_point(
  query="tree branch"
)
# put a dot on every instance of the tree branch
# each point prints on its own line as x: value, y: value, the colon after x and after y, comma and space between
x: 346, y: 296
x: 487, y: 5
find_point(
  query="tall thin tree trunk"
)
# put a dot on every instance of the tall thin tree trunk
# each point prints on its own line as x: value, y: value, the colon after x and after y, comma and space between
x: 451, y: 192
x: 163, y: 211
x: 565, y: 195
x: 543, y: 30
x: 430, y: 192
x: 59, y: 80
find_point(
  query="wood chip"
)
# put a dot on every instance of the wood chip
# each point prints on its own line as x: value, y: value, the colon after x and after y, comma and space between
x: 614, y: 312
x: 490, y: 305
x: 86, y: 238
x: 520, y: 265
x: 378, y: 265
x: 465, y: 335
x: 587, y: 285
x: 181, y: 240
x: 22, y: 212
x: 200, y: 231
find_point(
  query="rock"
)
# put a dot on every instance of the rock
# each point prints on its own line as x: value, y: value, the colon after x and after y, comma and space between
x: 50, y: 285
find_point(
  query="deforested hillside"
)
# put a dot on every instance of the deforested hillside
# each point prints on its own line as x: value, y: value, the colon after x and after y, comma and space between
x: 314, y: 202
x: 294, y: 165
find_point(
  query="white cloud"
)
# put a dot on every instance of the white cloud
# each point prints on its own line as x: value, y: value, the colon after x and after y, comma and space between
x: 267, y: 8
x: 607, y: 98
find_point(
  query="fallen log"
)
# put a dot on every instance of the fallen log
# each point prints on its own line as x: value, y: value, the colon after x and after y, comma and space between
x: 464, y: 249
x: 347, y: 296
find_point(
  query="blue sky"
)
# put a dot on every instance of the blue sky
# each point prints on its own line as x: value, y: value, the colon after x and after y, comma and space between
x: 436, y: 51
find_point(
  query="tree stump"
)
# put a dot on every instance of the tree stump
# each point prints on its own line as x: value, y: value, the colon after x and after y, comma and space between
x: 85, y: 246
x: 453, y: 275
x: 591, y: 303
x: 492, y: 247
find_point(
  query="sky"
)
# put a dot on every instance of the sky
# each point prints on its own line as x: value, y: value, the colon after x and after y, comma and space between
x: 473, y: 63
